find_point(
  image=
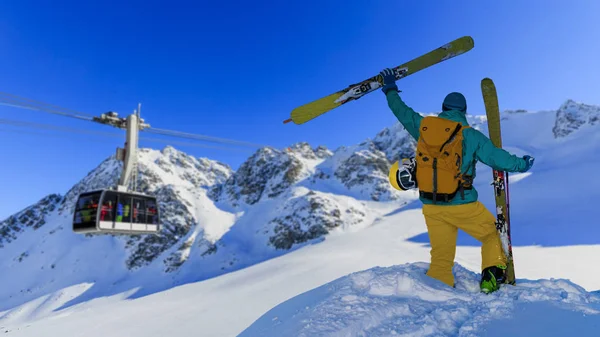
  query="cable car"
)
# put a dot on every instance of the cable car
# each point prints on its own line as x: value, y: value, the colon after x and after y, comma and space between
x: 115, y: 212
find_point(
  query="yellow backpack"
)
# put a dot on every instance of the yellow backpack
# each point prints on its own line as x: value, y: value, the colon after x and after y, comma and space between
x: 439, y: 159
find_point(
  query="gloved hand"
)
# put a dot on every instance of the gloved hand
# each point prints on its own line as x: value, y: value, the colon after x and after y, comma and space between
x: 528, y: 162
x: 389, y: 80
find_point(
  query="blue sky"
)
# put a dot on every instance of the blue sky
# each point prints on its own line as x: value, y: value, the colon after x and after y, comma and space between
x: 237, y: 69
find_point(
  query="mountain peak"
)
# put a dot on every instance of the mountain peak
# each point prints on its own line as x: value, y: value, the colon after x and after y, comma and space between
x: 168, y: 150
x: 572, y: 116
x: 306, y: 151
x: 570, y: 102
x: 268, y: 172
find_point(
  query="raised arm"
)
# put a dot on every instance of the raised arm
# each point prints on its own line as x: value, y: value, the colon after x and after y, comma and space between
x: 405, y: 114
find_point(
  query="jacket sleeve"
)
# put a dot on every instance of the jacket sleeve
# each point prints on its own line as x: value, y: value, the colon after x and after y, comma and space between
x: 405, y: 114
x: 495, y: 157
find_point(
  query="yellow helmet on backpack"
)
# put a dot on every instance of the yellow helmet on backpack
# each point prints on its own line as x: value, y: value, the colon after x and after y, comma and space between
x: 403, y: 177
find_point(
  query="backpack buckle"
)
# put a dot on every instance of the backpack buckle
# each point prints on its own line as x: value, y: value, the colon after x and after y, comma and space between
x: 467, y: 181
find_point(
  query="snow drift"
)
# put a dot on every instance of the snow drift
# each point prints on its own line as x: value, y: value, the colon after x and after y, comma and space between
x: 403, y: 301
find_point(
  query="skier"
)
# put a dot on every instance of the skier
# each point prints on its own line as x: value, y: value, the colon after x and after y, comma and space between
x: 450, y: 202
x: 119, y: 217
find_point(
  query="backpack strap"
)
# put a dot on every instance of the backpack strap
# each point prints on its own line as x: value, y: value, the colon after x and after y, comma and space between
x: 467, y: 179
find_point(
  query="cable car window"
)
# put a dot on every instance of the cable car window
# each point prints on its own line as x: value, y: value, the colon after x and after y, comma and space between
x: 139, y: 211
x: 86, y: 208
x: 152, y: 212
x: 108, y: 208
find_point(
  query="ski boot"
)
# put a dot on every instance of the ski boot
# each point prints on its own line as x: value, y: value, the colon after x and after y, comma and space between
x: 492, y: 278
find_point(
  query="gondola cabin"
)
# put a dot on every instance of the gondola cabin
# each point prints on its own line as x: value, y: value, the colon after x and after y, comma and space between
x: 115, y: 212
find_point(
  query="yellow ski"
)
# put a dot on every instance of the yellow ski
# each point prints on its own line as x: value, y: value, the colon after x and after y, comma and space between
x: 314, y: 109
x: 500, y: 183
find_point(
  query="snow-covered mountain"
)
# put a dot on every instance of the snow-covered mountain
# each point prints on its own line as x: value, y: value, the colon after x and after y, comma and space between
x: 216, y: 221
x: 572, y: 116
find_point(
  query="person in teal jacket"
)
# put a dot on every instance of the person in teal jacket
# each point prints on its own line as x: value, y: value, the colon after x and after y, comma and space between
x: 443, y: 219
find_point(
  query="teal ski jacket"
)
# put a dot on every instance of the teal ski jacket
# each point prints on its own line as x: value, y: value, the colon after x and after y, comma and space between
x: 476, y: 146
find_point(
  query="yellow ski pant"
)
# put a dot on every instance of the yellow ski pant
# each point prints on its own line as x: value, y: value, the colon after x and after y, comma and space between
x: 443, y: 223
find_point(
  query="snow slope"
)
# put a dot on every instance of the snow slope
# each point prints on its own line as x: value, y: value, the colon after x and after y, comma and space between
x: 236, y: 244
x: 228, y: 304
x: 402, y: 300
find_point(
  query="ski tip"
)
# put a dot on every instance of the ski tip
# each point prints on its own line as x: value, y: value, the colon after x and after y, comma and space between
x: 287, y: 121
x: 487, y: 84
x: 469, y: 39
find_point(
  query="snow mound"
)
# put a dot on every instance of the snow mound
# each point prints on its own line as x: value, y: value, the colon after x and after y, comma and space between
x: 403, y: 301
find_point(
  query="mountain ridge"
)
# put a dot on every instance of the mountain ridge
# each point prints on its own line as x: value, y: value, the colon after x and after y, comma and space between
x: 215, y: 219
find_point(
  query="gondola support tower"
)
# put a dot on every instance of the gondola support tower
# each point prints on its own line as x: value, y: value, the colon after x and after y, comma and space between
x: 128, y: 154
